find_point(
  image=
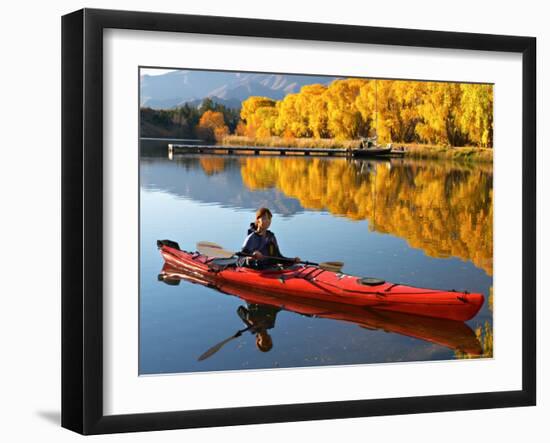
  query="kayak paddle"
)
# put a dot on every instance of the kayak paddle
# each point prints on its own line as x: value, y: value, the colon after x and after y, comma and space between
x: 217, y: 347
x: 214, y: 250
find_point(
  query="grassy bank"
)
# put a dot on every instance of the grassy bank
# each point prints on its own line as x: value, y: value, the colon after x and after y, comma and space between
x: 448, y: 153
x: 414, y: 150
x: 277, y: 142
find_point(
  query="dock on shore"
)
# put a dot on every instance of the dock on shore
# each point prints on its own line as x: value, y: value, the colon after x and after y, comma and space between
x: 257, y: 150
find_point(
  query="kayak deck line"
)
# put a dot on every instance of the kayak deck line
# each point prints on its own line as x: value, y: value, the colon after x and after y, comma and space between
x: 389, y: 288
x: 382, y: 294
x: 313, y: 269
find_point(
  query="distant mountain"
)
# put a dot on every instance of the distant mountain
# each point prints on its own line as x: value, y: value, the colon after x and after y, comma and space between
x: 226, y: 190
x: 232, y: 103
x: 228, y: 88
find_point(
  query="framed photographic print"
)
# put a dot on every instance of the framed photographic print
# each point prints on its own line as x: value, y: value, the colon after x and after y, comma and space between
x: 270, y: 221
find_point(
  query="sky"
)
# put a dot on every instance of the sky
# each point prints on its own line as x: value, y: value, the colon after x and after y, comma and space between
x: 153, y: 71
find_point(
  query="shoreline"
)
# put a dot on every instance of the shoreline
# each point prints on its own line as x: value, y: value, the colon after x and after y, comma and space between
x: 413, y: 150
x: 462, y: 153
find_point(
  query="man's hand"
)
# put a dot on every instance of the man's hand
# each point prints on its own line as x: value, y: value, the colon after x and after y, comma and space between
x: 257, y: 255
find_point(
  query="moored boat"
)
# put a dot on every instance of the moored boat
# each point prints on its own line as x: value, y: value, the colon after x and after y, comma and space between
x: 380, y: 151
x: 369, y: 147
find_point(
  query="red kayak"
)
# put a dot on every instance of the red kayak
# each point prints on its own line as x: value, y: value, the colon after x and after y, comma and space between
x: 308, y: 281
x: 451, y: 334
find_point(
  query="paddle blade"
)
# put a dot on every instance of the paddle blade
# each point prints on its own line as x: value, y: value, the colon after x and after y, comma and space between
x: 332, y: 266
x: 213, y: 350
x: 213, y: 250
x: 209, y: 244
x: 217, y: 347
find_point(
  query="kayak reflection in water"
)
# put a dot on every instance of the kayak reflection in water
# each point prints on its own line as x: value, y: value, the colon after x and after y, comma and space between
x: 261, y: 244
x: 259, y: 318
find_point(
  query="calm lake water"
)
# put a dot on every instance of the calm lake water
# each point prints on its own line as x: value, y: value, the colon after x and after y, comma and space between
x: 423, y: 223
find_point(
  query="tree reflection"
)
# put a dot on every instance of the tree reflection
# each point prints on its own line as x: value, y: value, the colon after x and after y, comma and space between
x: 212, y: 165
x: 484, y: 335
x: 445, y: 209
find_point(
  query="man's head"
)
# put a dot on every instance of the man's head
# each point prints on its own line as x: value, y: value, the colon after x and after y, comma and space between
x: 264, y: 341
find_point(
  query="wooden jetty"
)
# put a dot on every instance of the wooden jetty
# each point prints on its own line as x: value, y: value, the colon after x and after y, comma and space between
x: 257, y: 150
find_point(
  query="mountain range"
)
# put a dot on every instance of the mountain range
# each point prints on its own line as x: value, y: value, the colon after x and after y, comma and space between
x: 176, y: 88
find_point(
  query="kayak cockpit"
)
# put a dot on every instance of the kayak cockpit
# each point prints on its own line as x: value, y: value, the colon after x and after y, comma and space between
x: 370, y: 281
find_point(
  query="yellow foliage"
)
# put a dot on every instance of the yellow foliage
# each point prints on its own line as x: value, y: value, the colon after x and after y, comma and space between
x: 315, y: 108
x: 344, y: 120
x: 251, y: 104
x: 449, y: 114
x: 258, y: 115
x: 292, y: 117
x: 477, y: 113
x: 440, y: 114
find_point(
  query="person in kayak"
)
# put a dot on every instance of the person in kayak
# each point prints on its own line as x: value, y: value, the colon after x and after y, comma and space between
x: 260, y: 318
x: 261, y: 244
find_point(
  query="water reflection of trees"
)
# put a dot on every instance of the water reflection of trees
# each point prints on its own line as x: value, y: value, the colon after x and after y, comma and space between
x: 484, y: 335
x: 445, y: 209
x: 212, y: 165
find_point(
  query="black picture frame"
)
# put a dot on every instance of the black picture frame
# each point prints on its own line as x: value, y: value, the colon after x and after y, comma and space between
x: 82, y: 218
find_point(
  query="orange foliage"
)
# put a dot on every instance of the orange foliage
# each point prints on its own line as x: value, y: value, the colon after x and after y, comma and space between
x: 403, y: 111
x: 212, y: 126
x: 212, y: 165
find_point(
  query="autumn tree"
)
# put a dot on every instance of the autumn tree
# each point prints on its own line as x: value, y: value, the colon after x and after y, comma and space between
x: 240, y: 129
x: 251, y: 104
x: 212, y: 126
x: 476, y: 119
x: 292, y: 120
x: 230, y: 115
x: 264, y: 121
x: 396, y: 109
x: 449, y: 114
x: 365, y: 102
x: 253, y: 120
x: 312, y: 104
x: 344, y: 119
x: 440, y: 115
